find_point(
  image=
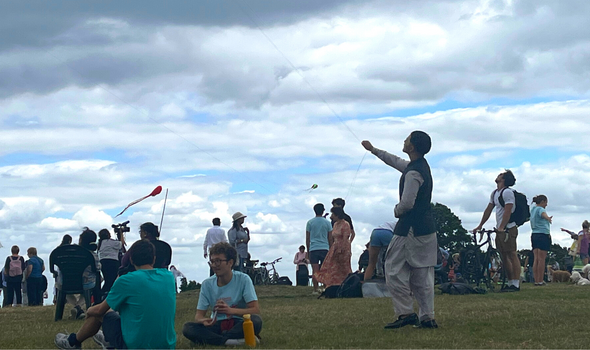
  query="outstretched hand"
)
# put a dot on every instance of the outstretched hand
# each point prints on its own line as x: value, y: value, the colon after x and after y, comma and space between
x: 367, y: 145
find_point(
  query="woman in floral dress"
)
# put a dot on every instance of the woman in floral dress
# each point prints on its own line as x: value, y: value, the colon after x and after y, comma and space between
x: 336, y: 267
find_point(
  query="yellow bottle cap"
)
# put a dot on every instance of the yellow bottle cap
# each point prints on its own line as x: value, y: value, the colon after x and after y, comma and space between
x: 247, y: 316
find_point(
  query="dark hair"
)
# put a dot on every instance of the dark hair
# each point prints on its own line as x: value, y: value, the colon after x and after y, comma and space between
x: 538, y: 199
x: 88, y: 239
x: 509, y: 179
x: 216, y: 222
x: 421, y: 141
x: 225, y: 249
x: 150, y: 229
x: 102, y: 235
x: 15, y: 249
x: 339, y: 202
x: 67, y: 239
x: 586, y: 224
x: 339, y: 212
x: 301, y: 247
x: 32, y: 251
x: 142, y: 252
x: 318, y: 209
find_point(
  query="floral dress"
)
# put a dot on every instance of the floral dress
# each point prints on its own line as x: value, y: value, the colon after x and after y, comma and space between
x: 336, y: 267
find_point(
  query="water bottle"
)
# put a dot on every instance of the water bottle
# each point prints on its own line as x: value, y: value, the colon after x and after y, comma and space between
x: 248, y: 328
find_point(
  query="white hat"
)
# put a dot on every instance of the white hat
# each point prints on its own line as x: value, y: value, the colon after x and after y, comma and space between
x: 237, y: 215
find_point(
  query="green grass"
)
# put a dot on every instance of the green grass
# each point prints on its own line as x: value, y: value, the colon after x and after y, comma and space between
x: 537, y: 317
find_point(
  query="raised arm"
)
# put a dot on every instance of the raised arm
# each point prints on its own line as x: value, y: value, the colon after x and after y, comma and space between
x: 387, y: 158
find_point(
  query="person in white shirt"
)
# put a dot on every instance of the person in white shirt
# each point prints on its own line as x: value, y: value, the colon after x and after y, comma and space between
x: 214, y: 235
x: 176, y: 274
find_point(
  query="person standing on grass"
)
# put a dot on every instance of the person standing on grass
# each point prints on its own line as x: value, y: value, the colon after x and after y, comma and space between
x: 239, y: 236
x: 108, y: 253
x: 318, y: 232
x: 541, y: 237
x: 506, y: 231
x: 230, y: 295
x: 301, y: 273
x: 581, y: 237
x: 138, y: 312
x: 411, y: 255
x: 336, y: 267
x: 14, y: 268
x: 34, y: 277
x: 214, y: 235
x: 340, y: 203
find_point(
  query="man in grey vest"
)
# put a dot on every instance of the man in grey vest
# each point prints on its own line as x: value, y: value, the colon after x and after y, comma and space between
x: 411, y: 255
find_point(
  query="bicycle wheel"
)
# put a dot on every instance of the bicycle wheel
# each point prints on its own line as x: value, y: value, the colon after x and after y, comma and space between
x: 257, y: 279
x: 496, y: 273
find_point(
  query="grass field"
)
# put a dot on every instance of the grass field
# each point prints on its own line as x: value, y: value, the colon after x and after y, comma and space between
x: 536, y: 317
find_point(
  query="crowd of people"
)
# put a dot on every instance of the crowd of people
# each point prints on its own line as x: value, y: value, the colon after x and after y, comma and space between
x: 134, y: 301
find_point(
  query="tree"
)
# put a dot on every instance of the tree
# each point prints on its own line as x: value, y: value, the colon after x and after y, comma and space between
x: 191, y: 285
x: 452, y: 236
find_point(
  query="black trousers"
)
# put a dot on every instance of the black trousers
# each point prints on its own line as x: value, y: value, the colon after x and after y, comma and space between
x: 213, y: 335
x: 110, y: 269
x: 35, y: 290
x: 13, y: 285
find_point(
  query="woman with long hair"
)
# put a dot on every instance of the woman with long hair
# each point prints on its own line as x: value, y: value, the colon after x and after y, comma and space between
x: 239, y: 236
x: 540, y: 237
x: 108, y: 253
x: 336, y: 267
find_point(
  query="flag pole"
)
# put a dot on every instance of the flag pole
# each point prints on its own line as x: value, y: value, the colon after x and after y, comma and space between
x: 163, y: 209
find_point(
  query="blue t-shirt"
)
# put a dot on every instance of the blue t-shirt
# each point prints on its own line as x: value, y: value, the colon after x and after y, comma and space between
x: 318, y: 229
x: 146, y: 302
x: 237, y: 293
x: 538, y: 223
x: 37, y: 264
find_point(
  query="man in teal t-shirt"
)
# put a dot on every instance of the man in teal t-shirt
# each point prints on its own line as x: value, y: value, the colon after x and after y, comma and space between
x: 317, y: 233
x: 144, y: 304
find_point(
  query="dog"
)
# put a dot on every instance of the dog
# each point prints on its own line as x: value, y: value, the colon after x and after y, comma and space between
x: 561, y: 276
x: 585, y: 271
x: 577, y: 278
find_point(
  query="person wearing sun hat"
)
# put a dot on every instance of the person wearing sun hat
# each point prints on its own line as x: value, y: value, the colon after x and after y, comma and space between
x: 239, y: 237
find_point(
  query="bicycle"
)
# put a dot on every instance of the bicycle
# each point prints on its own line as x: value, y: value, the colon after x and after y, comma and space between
x: 479, y: 267
x: 271, y: 276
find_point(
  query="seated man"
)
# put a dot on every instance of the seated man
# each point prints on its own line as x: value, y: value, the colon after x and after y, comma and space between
x: 145, y: 301
x: 230, y: 294
x: 150, y: 232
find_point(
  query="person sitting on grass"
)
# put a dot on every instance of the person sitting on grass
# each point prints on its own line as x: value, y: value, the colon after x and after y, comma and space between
x: 138, y: 312
x: 230, y: 295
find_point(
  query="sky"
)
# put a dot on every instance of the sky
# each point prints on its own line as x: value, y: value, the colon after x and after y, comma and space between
x: 243, y: 105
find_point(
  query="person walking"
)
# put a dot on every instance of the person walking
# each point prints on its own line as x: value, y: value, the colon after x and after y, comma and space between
x: 108, y: 253
x: 214, y: 235
x: 411, y: 255
x: 13, y: 273
x: 34, y: 276
x: 540, y: 237
x: 302, y: 272
x: 318, y: 231
x: 239, y: 236
x: 506, y: 231
x: 336, y: 267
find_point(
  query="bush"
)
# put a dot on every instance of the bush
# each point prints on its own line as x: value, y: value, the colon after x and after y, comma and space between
x: 191, y: 285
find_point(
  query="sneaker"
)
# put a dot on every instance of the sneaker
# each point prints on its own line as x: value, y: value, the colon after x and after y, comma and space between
x: 62, y: 342
x: 235, y: 342
x: 100, y: 340
x: 80, y: 315
x: 427, y: 324
x: 514, y: 288
x: 240, y: 342
x: 411, y: 319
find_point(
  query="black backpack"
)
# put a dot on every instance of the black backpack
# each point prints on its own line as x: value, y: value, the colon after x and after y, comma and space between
x: 351, y: 287
x: 455, y: 288
x: 522, y: 212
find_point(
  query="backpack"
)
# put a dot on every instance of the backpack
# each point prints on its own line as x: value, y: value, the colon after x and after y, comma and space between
x: 284, y: 280
x: 455, y: 288
x: 16, y: 267
x: 351, y: 287
x: 522, y: 212
x: 330, y: 292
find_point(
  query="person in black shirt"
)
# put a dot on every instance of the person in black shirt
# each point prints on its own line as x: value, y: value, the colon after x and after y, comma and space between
x: 150, y: 232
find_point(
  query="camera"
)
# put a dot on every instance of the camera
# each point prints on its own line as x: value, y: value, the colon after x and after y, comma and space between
x: 120, y: 230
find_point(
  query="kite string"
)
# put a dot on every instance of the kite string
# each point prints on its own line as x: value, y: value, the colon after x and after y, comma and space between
x: 355, y: 175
